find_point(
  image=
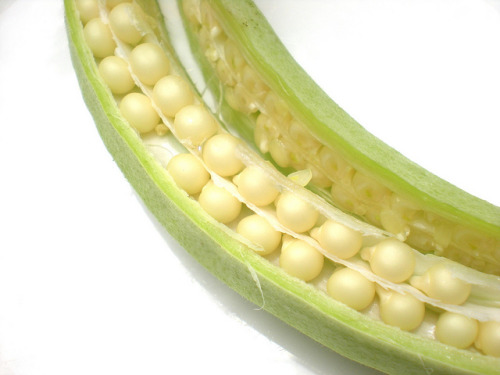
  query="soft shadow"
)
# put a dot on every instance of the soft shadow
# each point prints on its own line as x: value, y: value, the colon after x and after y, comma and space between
x: 307, y: 352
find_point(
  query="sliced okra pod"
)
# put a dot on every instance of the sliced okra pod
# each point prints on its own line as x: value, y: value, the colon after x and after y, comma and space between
x: 356, y: 287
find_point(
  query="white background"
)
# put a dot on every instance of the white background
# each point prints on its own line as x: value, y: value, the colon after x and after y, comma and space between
x: 90, y: 284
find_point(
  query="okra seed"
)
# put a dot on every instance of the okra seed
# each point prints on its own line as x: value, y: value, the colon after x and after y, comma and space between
x: 255, y: 186
x: 123, y: 21
x: 171, y: 93
x: 391, y: 259
x: 401, y: 310
x: 279, y: 152
x: 138, y: 110
x: 350, y: 287
x: 258, y: 230
x: 338, y: 239
x: 438, y: 282
x: 188, y: 173
x: 114, y: 71
x: 220, y: 155
x: 456, y: 330
x: 149, y: 63
x: 301, y: 260
x: 392, y: 221
x: 194, y: 124
x: 99, y: 38
x: 219, y: 203
x: 87, y: 9
x: 294, y: 213
x: 488, y: 339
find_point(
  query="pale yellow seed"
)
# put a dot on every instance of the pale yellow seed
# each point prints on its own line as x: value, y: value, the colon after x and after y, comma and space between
x: 301, y: 177
x: 99, y: 38
x: 87, y: 9
x: 456, y: 330
x: 338, y: 239
x: 138, y: 110
x: 393, y: 222
x: 258, y: 230
x: 149, y: 63
x: 220, y: 155
x: 391, y: 259
x: 255, y: 186
x: 188, y: 173
x: 171, y: 93
x: 439, y: 283
x: 301, y: 260
x: 114, y: 71
x: 488, y: 340
x: 194, y: 124
x: 350, y: 287
x: 124, y: 21
x: 295, y: 213
x: 219, y: 203
x: 401, y: 310
x: 279, y: 153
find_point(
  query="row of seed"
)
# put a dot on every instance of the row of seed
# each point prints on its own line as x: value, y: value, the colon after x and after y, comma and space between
x: 291, y: 145
x: 389, y: 259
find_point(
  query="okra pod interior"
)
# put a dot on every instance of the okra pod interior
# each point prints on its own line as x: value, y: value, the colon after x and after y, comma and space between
x: 287, y: 235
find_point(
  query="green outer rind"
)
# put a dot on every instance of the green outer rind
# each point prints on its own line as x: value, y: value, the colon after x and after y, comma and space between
x: 333, y: 125
x: 342, y: 329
